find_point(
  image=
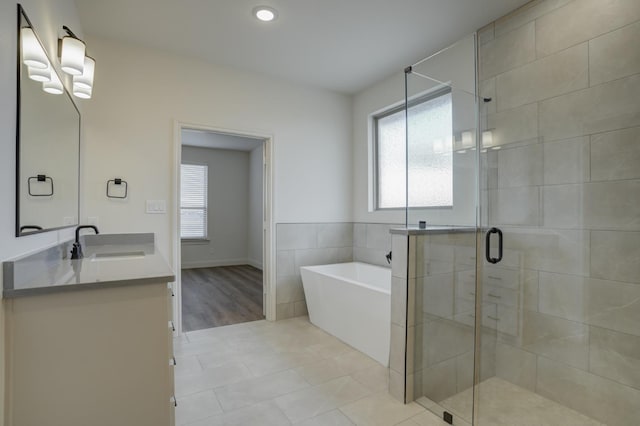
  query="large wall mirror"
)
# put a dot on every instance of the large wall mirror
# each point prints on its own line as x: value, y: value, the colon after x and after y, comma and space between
x: 48, y: 140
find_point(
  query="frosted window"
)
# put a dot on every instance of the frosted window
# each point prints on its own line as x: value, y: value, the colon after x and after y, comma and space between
x: 430, y: 159
x: 193, y: 201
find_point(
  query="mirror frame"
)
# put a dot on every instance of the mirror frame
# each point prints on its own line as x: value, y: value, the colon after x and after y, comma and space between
x: 22, y: 15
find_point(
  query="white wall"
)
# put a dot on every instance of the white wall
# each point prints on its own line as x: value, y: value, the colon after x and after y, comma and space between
x: 256, y: 185
x: 455, y: 67
x: 47, y: 17
x: 228, y: 209
x: 129, y: 132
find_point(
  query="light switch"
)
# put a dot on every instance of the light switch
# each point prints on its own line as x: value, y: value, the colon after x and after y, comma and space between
x: 156, y: 206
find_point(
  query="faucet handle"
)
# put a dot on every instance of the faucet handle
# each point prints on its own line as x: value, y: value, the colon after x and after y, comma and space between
x: 389, y: 256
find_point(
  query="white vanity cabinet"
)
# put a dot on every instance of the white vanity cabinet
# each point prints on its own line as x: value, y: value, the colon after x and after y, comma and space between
x: 91, y: 357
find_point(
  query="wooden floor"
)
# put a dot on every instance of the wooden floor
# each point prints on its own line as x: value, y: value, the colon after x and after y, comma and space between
x: 225, y: 295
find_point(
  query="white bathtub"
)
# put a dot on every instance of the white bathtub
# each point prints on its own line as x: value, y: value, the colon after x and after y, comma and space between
x: 351, y: 301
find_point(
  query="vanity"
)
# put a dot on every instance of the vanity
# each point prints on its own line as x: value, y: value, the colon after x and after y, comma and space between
x: 90, y: 341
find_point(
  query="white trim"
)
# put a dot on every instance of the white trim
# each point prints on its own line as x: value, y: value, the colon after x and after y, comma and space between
x: 268, y: 263
x: 254, y: 263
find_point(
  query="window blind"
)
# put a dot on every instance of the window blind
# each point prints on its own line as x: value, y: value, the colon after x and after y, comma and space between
x: 193, y: 201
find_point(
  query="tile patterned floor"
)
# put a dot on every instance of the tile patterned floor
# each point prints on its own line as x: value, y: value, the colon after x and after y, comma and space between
x: 283, y: 373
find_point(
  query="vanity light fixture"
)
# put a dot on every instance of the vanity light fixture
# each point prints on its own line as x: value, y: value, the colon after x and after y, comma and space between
x: 85, y: 80
x: 54, y: 86
x: 82, y: 92
x: 33, y: 54
x: 40, y: 74
x: 71, y: 50
x: 265, y: 13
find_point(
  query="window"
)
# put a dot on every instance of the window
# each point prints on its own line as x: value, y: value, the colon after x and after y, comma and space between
x: 430, y: 159
x: 193, y: 201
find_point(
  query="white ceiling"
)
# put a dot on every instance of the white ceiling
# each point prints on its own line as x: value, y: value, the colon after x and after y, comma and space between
x: 206, y: 139
x: 341, y: 45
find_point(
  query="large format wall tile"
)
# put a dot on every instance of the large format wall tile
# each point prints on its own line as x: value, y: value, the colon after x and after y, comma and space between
x: 597, y: 397
x: 520, y: 166
x: 616, y: 155
x: 582, y: 20
x: 514, y: 125
x: 614, y: 255
x: 556, y: 338
x: 505, y: 53
x: 516, y: 366
x: 296, y: 236
x: 615, y: 356
x: 515, y: 206
x: 563, y: 72
x: 612, y: 205
x: 610, y: 304
x: 567, y: 161
x: 564, y: 251
x: 526, y: 14
x: 602, y: 108
x: 563, y: 206
x: 613, y: 55
x: 335, y: 235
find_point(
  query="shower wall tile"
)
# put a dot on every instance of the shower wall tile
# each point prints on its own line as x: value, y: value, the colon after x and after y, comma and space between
x: 438, y: 380
x: 505, y: 53
x: 609, y: 304
x: 554, y: 75
x: 371, y: 256
x: 582, y: 20
x: 550, y: 250
x: 616, y: 155
x: 615, y: 356
x: 567, y: 161
x: 606, y: 107
x: 526, y: 14
x: 556, y: 338
x: 399, y: 300
x: 401, y: 255
x: 614, y: 256
x: 487, y: 89
x: 612, y: 205
x: 516, y: 206
x: 599, y: 398
x: 445, y: 339
x: 486, y: 34
x: 438, y: 295
x: 611, y: 58
x: 520, y: 166
x: 563, y: 206
x: 514, y: 125
x: 378, y: 236
x: 516, y: 366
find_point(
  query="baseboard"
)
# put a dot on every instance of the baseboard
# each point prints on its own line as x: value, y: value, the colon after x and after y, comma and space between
x: 214, y: 263
x: 255, y: 264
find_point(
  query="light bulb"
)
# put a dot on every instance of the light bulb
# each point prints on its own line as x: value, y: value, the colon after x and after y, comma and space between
x: 265, y: 13
x: 54, y: 86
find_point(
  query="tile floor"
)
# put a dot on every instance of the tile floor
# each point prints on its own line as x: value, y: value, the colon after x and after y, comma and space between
x: 283, y: 373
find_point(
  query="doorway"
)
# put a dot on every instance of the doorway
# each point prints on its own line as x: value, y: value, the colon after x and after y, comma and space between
x: 222, y: 227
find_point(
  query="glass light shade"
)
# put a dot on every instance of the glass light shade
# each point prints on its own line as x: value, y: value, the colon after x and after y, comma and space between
x: 487, y: 138
x: 72, y: 56
x: 33, y: 54
x: 467, y: 139
x: 85, y: 80
x: 54, y: 86
x: 40, y: 74
x: 81, y: 92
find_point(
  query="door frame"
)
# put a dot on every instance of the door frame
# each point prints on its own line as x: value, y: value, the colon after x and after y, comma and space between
x: 268, y: 242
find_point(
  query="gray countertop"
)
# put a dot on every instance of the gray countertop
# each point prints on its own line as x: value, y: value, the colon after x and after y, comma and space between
x: 432, y: 229
x: 109, y: 260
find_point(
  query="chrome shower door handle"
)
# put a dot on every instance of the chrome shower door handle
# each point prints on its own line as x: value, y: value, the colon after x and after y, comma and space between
x: 487, y: 251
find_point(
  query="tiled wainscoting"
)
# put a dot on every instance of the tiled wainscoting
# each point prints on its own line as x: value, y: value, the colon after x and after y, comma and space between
x: 564, y: 78
x: 306, y: 244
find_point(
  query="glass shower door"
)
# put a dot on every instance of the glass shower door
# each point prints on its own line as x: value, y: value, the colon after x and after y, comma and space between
x: 441, y: 192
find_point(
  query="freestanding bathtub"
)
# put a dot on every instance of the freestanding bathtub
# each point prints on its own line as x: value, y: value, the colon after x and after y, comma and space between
x: 351, y: 301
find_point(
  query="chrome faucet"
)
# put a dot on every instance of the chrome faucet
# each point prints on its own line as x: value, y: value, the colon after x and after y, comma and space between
x: 76, y: 251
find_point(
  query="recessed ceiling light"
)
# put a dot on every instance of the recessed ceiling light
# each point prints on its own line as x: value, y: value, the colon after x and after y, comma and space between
x: 265, y: 13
